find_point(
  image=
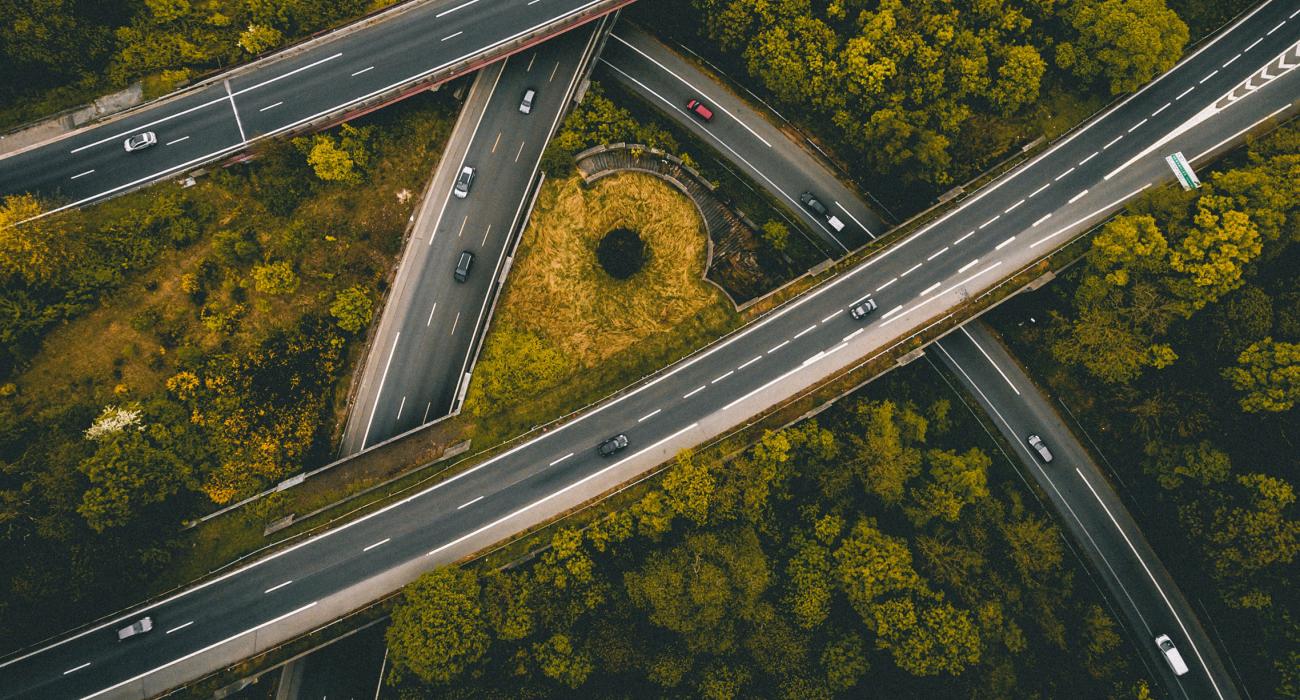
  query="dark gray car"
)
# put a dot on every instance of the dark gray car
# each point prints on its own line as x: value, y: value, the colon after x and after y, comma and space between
x: 463, y: 264
x: 613, y: 445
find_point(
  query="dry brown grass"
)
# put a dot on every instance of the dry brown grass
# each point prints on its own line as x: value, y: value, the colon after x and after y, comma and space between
x: 559, y: 291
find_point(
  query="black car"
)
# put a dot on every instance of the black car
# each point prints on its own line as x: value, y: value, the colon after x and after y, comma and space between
x: 612, y: 446
x: 814, y: 205
x: 463, y: 265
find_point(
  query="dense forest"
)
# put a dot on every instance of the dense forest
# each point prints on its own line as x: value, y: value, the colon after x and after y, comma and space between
x: 877, y: 548
x: 1178, y: 340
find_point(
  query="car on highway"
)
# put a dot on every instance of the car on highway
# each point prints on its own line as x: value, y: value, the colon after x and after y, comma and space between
x: 859, y: 310
x: 698, y: 108
x: 1170, y: 652
x: 463, y: 264
x: 464, y: 181
x: 138, y: 627
x: 815, y: 206
x: 526, y: 104
x: 1040, y: 447
x: 612, y: 446
x: 140, y: 141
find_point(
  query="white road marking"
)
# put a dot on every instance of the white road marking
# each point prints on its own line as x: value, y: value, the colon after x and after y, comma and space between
x: 881, y: 287
x: 1158, y: 111
x: 277, y: 104
x: 460, y: 233
x: 178, y: 628
x: 728, y: 373
x: 813, y: 358
x: 1112, y: 142
x: 455, y: 323
x: 1183, y: 94
x: 461, y: 6
x: 74, y: 177
x: 472, y: 501
x: 1077, y: 197
x: 427, y: 406
x: 554, y: 70
x: 937, y: 253
x: 452, y: 36
x: 1012, y: 208
x: 940, y: 295
x: 277, y: 586
x: 649, y: 415
x: 560, y: 460
x: 968, y: 234
x: 1253, y: 44
x: 1211, y: 75
x: 1274, y: 29
x: 1004, y: 244
x: 851, y: 336
x: 497, y: 142
x: 486, y: 233
x: 1039, y: 191
x: 243, y: 139
x: 1230, y: 60
x: 1094, y: 153
x: 778, y: 346
x: 78, y: 668
x: 892, y: 311
x: 1041, y: 219
x: 805, y: 331
x: 911, y: 269
x: 435, y: 308
x: 968, y: 266
x: 990, y: 359
x: 176, y: 141
x: 855, y: 220
x: 1084, y: 218
x: 986, y: 223
x: 400, y: 407
x: 693, y: 392
x: 824, y: 320
x: 1133, y: 128
x: 363, y: 70
x: 380, y: 543
x: 531, y: 59
x: 931, y: 288
x: 750, y: 362
x: 366, y: 436
x: 520, y: 152
x: 1058, y: 177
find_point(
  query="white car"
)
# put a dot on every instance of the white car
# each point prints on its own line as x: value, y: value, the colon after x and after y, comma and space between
x: 140, y: 141
x: 859, y: 310
x: 1171, y: 654
x: 526, y: 104
x: 138, y: 627
x: 464, y: 181
x: 1040, y: 447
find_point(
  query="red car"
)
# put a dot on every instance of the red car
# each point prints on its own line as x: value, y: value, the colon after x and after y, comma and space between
x: 700, y: 110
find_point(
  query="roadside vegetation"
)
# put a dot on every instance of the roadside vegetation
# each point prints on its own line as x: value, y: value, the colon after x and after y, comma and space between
x: 918, y: 96
x: 62, y: 53
x: 1176, y: 341
x: 566, y: 331
x: 875, y: 549
x: 180, y: 348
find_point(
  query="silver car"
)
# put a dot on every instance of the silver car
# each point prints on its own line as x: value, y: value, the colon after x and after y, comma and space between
x: 526, y: 104
x: 464, y: 181
x: 1040, y: 447
x: 859, y: 310
x: 140, y: 141
x: 138, y: 627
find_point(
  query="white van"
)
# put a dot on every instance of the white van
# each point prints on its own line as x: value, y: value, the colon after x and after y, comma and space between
x: 1171, y: 654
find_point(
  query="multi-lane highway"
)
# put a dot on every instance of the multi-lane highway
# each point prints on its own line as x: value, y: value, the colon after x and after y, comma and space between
x: 424, y: 41
x: 1091, y: 511
x: 764, y: 152
x: 430, y: 324
x: 1007, y: 226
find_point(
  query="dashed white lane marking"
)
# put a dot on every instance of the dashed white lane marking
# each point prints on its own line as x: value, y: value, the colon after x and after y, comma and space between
x: 1293, y: 14
x: 693, y: 392
x: 1112, y: 142
x: 851, y: 336
x: 1041, y: 219
x: 1085, y: 160
x: 649, y: 415
x: 1102, y: 210
x: 805, y: 331
x: 1039, y: 191
x: 176, y: 141
x: 723, y: 376
x: 1253, y: 44
x: 1163, y: 108
x: 1230, y: 60
x: 425, y: 419
x: 400, y: 407
x: 968, y: 234
x: 958, y: 285
x: 363, y: 70
x: 277, y: 104
x: 74, y: 177
x: 455, y: 323
x: 931, y: 288
x: 824, y: 320
x: 750, y: 362
x: 487, y: 233
x: 881, y: 287
x: 778, y: 346
x: 520, y: 152
x: 178, y: 628
x: 496, y: 143
x: 461, y: 6
x: 986, y: 223
x: 937, y: 253
x: 1183, y: 94
x: 911, y: 269
x: 380, y: 543
x: 470, y: 502
x: 1011, y: 208
x: 1004, y: 244
x: 549, y: 465
x: 1207, y: 77
x: 892, y: 311
x: 277, y: 586
x: 1274, y: 29
x: 452, y: 36
x: 435, y: 308
x: 554, y: 70
x: 1077, y: 197
x: 1058, y: 177
x: 78, y: 668
x: 968, y: 266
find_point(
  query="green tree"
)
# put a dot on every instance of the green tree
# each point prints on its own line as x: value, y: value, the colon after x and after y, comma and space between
x: 776, y: 234
x: 1212, y: 254
x: 37, y: 251
x: 887, y: 456
x: 844, y: 661
x: 352, y: 308
x: 1035, y: 548
x: 1018, y: 78
x: 438, y: 627
x: 1254, y: 529
x: 131, y: 470
x: 332, y: 163
x: 258, y: 38
x: 275, y: 278
x: 870, y: 565
x: 560, y: 662
x: 1268, y: 375
x: 1123, y: 42
x: 689, y: 487
x: 810, y: 583
x: 936, y: 638
x: 954, y: 482
x: 507, y: 604
x: 1202, y: 463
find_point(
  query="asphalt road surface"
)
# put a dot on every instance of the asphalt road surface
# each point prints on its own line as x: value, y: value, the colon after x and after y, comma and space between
x: 765, y: 153
x: 431, y: 323
x: 1005, y: 227
x: 278, y: 94
x: 1090, y: 510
